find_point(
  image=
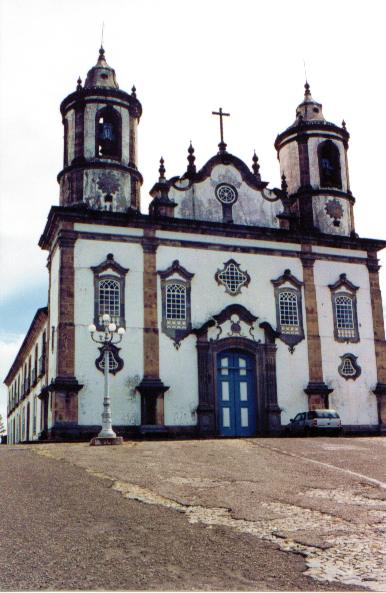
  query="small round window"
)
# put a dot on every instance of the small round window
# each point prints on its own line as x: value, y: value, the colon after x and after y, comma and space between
x: 226, y: 194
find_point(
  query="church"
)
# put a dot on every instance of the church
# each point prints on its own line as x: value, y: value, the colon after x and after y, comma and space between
x: 242, y: 304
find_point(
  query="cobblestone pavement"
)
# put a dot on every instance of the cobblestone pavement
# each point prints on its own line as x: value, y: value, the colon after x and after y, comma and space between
x: 322, y: 499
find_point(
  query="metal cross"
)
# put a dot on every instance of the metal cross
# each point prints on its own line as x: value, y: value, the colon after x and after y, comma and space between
x: 220, y: 112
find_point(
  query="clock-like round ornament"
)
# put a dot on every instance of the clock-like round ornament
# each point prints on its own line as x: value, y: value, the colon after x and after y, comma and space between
x: 226, y: 193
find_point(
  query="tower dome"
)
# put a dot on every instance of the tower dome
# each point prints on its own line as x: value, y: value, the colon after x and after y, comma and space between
x: 100, y: 168
x: 313, y: 157
x: 101, y: 75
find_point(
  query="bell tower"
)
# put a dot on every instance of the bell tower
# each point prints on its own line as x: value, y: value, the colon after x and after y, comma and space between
x: 313, y: 157
x: 100, y: 169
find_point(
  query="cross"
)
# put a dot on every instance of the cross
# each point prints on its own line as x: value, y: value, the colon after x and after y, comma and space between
x: 222, y: 145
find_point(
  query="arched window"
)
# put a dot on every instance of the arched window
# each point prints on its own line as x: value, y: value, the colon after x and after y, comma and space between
x: 109, y: 290
x: 288, y: 311
x: 344, y: 313
x: 329, y: 164
x: 110, y: 298
x: 289, y: 317
x: 344, y: 304
x: 176, y: 305
x: 108, y: 133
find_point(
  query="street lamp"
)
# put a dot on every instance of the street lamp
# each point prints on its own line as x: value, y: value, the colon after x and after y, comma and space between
x: 110, y: 335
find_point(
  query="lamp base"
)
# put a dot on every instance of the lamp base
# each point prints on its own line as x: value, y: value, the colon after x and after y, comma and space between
x: 96, y: 441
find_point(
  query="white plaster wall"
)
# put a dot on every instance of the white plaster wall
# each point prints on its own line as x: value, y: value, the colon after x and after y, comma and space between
x: 324, y: 222
x: 251, y: 208
x: 289, y: 165
x: 179, y: 367
x: 313, y: 144
x: 125, y: 133
x: 221, y: 240
x: 54, y: 315
x: 89, y: 128
x: 125, y: 403
x: 91, y: 228
x: 70, y: 117
x: 354, y: 400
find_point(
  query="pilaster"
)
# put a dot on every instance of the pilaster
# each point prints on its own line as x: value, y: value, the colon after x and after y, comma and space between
x: 151, y: 387
x: 379, y: 337
x: 316, y: 390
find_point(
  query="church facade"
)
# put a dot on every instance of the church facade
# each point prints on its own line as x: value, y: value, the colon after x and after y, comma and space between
x: 242, y: 305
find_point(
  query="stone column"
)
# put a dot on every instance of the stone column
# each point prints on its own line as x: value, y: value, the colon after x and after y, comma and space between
x: 151, y: 387
x: 65, y: 387
x: 379, y: 338
x: 273, y: 410
x: 205, y: 410
x: 316, y: 390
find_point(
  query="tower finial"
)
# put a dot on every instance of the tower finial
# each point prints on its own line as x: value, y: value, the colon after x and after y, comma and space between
x: 161, y: 170
x: 103, y: 27
x: 79, y: 84
x: 191, y: 158
x: 255, y: 165
x: 307, y: 91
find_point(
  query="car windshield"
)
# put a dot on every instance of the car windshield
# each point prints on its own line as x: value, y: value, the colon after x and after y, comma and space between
x: 323, y: 414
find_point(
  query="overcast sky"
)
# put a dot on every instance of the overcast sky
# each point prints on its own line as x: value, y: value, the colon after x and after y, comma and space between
x: 186, y: 58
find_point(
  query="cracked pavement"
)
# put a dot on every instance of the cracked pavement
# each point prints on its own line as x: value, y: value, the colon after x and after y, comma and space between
x: 321, y: 501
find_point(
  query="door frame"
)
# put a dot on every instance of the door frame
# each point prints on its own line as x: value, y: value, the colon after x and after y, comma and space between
x: 264, y: 355
x: 254, y: 387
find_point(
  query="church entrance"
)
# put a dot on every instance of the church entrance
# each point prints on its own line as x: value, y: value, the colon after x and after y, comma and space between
x: 236, y: 394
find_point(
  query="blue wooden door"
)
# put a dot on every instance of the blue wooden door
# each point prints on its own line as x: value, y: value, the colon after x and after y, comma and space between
x: 236, y: 394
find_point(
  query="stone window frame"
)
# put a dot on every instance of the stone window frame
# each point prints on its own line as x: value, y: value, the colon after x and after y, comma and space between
x: 280, y: 286
x: 353, y: 359
x: 168, y: 277
x: 221, y: 282
x: 101, y: 273
x: 343, y: 287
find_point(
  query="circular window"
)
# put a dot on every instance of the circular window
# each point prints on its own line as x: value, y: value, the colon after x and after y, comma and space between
x: 226, y: 193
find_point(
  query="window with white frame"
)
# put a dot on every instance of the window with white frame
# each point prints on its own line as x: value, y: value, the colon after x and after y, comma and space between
x: 289, y: 312
x: 109, y: 298
x: 344, y: 316
x: 176, y: 304
x: 109, y: 283
x: 175, y: 290
x: 344, y: 305
x: 289, y: 318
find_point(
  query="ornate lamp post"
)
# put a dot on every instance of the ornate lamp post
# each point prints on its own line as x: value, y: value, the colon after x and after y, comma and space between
x: 110, y: 335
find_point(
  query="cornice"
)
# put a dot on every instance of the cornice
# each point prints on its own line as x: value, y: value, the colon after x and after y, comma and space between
x: 217, y: 229
x: 222, y: 158
x: 95, y: 94
x: 100, y: 164
x: 311, y: 128
x: 34, y: 329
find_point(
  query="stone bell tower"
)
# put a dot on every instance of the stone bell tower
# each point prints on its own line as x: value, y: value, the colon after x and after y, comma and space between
x: 313, y: 157
x: 100, y: 144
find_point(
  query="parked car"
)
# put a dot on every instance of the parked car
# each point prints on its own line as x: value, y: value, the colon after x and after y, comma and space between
x: 315, y: 421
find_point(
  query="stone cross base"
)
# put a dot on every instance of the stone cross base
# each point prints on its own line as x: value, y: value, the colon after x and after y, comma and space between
x: 106, y: 441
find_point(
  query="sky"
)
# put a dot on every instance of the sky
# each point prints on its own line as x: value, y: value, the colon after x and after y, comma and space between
x: 186, y: 59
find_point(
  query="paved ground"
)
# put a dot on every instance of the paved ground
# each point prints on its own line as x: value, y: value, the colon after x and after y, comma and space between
x: 251, y: 514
